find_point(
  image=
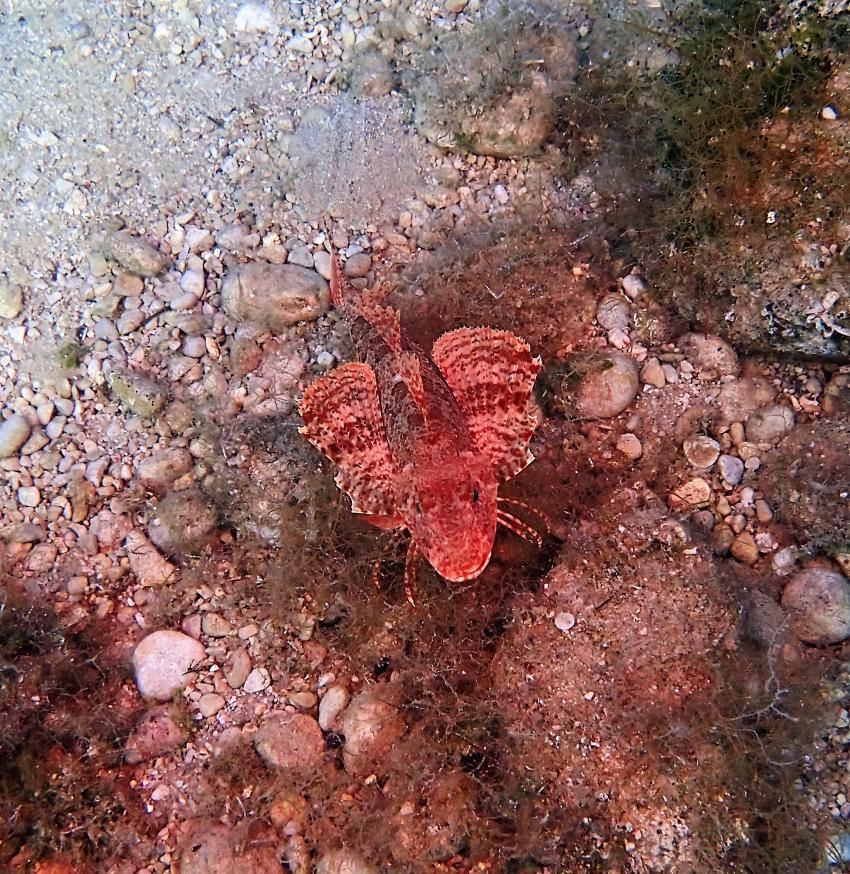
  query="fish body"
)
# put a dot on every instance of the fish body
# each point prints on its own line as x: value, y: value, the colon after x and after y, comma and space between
x: 424, y: 441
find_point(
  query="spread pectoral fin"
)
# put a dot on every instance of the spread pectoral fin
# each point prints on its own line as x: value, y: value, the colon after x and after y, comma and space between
x: 342, y: 418
x: 491, y: 374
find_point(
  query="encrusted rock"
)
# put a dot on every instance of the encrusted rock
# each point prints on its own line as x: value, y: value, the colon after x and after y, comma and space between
x: 701, y: 451
x: 711, y: 355
x: 290, y: 741
x: 608, y: 386
x: 836, y: 395
x: 182, y: 522
x: 744, y: 548
x: 769, y: 424
x: 819, y: 600
x: 138, y: 394
x: 274, y: 295
x: 149, y: 567
x: 237, y: 668
x: 209, y: 847
x: 740, y: 398
x: 135, y: 253
x: 613, y: 312
x: 162, y: 660
x: 344, y: 862
x: 691, y: 495
x: 371, y: 724
x: 158, y: 471
x: 156, y: 734
x: 370, y: 74
x: 333, y: 702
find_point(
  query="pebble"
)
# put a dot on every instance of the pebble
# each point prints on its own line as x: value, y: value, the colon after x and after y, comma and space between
x: 158, y: 471
x: 237, y: 667
x: 371, y: 725
x: 192, y: 282
x: 763, y: 512
x: 148, y: 566
x: 42, y: 558
x: 333, y: 702
x: 630, y: 446
x: 829, y: 113
x: 731, y: 469
x: 162, y: 660
x: 702, y: 451
x: 691, y: 495
x: 769, y: 424
x: 653, y: 374
x: 301, y: 257
x: 14, y: 432
x: 745, y: 548
x: 613, y: 312
x: 11, y: 300
x: 254, y: 18
x: 210, y: 847
x: 257, y: 680
x: 371, y: 74
x: 303, y: 700
x: 156, y: 734
x: 105, y: 329
x: 634, y: 285
x: 135, y: 254
x: 819, y: 598
x: 290, y: 741
x: 29, y: 496
x: 739, y: 398
x: 215, y: 625
x: 274, y: 295
x: 322, y: 263
x: 344, y: 862
x: 357, y: 266
x: 209, y: 704
x: 194, y: 347
x: 610, y: 385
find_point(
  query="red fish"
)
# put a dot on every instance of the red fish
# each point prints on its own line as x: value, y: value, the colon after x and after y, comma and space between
x: 422, y: 441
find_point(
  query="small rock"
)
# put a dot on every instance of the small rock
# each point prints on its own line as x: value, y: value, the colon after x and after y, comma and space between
x: 333, y: 702
x: 290, y: 741
x: 634, y: 285
x: 301, y: 257
x: 613, y: 312
x: 630, y: 446
x: 763, y: 512
x: 344, y: 862
x: 26, y: 532
x: 135, y: 254
x: 29, y: 496
x: 274, y: 295
x: 194, y: 347
x: 322, y: 263
x: 836, y: 395
x: 192, y: 282
x: 14, y: 432
x: 11, y: 300
x: 455, y: 6
x: 156, y: 734
x: 209, y: 847
x: 215, y: 625
x: 209, y: 704
x: 608, y: 387
x: 358, y: 265
x: 564, y: 621
x: 652, y: 373
x: 740, y: 398
x: 289, y: 813
x: 731, y: 469
x: 256, y: 681
x: 237, y: 667
x: 182, y: 522
x: 701, y: 451
x: 819, y: 599
x: 128, y: 285
x: 745, y: 548
x: 712, y: 355
x: 162, y: 660
x: 138, y: 394
x: 691, y: 495
x: 764, y: 619
x: 829, y: 113
x: 371, y: 725
x: 769, y: 424
x: 148, y: 566
x: 254, y: 18
x: 158, y: 471
x: 303, y: 700
x: 42, y: 558
x: 722, y: 538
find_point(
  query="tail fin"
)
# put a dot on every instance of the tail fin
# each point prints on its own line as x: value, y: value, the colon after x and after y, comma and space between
x: 342, y: 291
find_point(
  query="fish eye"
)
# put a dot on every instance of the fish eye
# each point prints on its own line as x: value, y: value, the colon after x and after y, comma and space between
x: 475, y: 496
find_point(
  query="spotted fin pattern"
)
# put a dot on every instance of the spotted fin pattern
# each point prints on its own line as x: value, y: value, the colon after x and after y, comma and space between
x: 411, y: 373
x: 492, y: 373
x: 342, y: 419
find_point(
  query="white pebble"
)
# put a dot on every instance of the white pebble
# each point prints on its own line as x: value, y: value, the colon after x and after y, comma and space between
x: 829, y: 113
x: 564, y: 621
x: 501, y: 194
x: 29, y: 496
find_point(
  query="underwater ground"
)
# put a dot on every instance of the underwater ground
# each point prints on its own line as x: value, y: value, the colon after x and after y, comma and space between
x: 199, y: 670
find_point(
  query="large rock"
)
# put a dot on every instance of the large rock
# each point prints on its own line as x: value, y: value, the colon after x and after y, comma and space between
x: 162, y: 660
x: 609, y: 384
x: 209, y: 847
x: 371, y: 724
x: 156, y: 734
x: 290, y: 741
x: 274, y: 295
x: 182, y: 522
x: 493, y: 91
x: 819, y: 600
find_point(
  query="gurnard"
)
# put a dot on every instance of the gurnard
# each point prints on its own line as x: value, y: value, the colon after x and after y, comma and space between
x: 424, y: 442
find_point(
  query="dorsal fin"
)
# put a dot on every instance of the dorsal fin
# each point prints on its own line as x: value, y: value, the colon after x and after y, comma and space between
x: 383, y: 319
x: 342, y: 291
x: 411, y: 372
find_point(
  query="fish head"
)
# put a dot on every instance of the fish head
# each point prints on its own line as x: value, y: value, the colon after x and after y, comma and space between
x: 451, y: 512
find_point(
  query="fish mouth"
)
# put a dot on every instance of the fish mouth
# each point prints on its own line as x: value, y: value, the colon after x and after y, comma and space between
x: 469, y: 575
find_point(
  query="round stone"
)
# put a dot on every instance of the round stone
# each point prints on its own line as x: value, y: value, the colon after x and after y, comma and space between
x: 333, y: 702
x: 210, y: 704
x: 608, y: 387
x: 14, y: 432
x: 630, y: 446
x: 564, y: 621
x: 711, y: 355
x: 158, y: 471
x: 358, y: 265
x: 701, y: 451
x: 819, y: 598
x: 613, y: 312
x: 290, y: 741
x: 769, y: 424
x: 371, y: 725
x: 162, y: 660
x: 344, y: 862
x: 731, y: 469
